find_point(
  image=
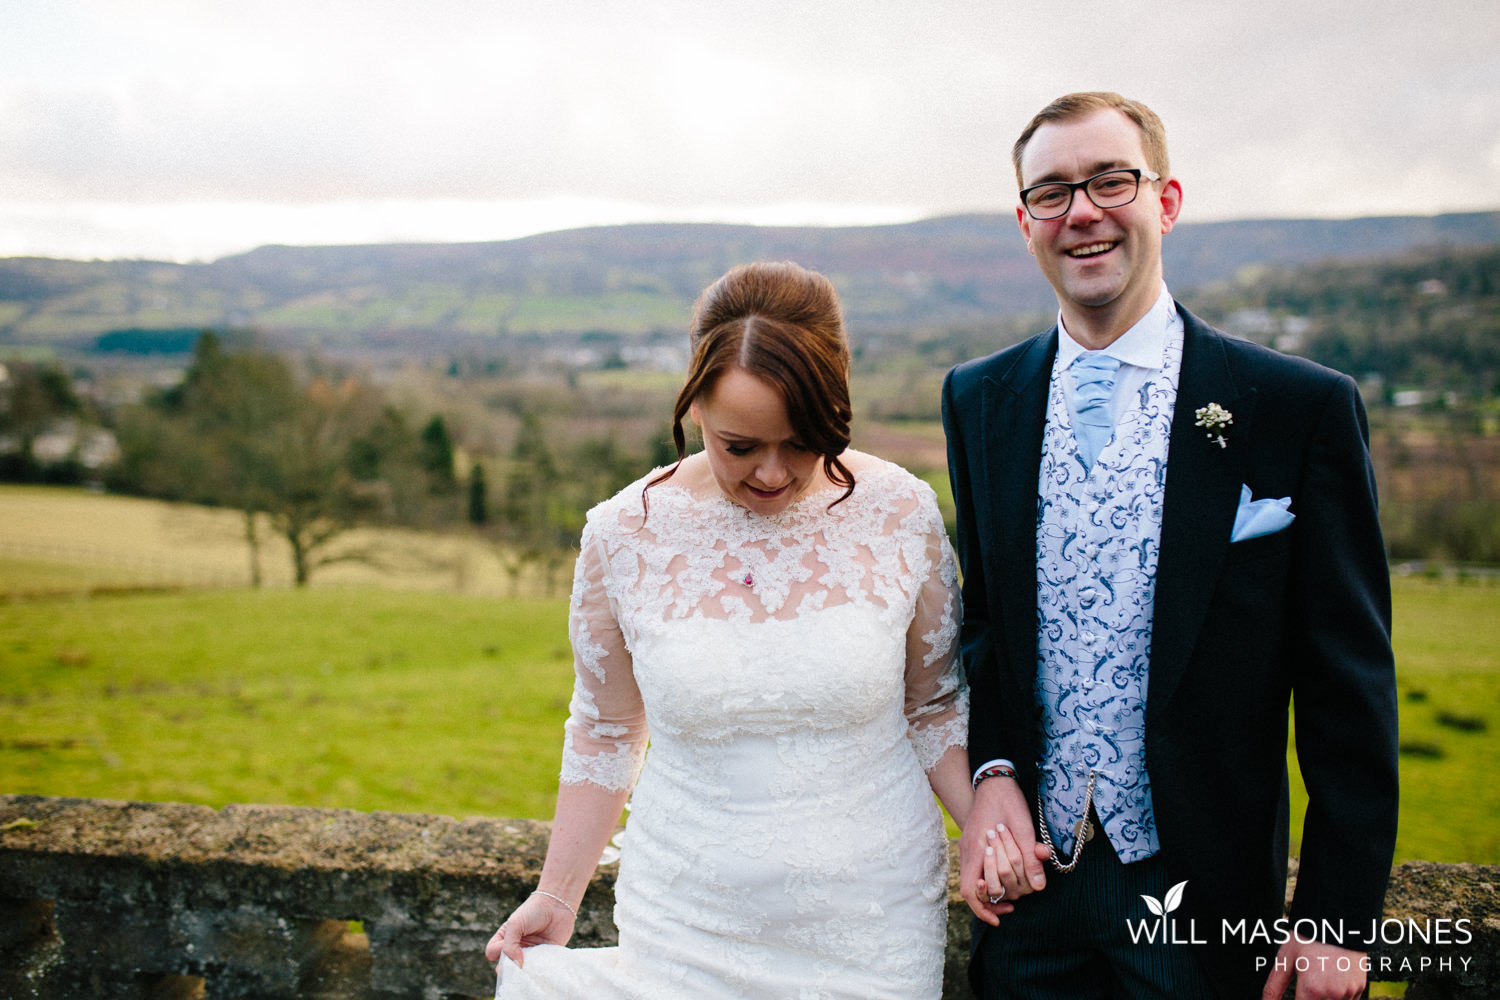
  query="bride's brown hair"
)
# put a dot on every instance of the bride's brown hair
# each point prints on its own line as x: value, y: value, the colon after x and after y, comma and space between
x: 781, y: 323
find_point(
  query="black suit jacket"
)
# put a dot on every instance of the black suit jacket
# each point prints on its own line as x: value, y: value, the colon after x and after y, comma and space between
x: 1238, y: 630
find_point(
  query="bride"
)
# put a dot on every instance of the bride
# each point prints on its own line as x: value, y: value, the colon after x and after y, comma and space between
x: 780, y: 614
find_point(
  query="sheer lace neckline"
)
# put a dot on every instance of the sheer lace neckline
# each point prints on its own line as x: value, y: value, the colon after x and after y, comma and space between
x: 815, y: 500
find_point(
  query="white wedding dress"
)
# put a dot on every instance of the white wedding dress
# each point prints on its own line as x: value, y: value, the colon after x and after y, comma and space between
x: 797, y: 675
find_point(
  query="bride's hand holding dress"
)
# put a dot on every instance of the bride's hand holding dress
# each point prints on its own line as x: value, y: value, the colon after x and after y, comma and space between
x: 586, y: 818
x: 539, y: 920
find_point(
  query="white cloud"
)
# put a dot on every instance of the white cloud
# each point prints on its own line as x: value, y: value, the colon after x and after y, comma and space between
x: 680, y: 107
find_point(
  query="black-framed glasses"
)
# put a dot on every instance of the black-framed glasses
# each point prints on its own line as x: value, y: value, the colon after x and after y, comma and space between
x: 1111, y: 189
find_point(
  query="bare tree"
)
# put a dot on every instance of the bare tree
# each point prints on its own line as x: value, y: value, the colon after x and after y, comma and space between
x: 315, y: 460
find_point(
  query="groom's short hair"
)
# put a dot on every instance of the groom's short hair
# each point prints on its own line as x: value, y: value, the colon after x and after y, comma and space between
x: 1071, y: 106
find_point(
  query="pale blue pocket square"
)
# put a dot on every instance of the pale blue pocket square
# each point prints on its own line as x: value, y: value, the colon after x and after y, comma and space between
x: 1255, y: 518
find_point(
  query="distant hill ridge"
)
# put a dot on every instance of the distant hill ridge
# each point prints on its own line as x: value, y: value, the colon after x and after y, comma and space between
x: 634, y: 279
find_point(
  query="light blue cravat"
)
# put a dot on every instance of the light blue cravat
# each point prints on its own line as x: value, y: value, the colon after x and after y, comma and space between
x: 1093, y: 375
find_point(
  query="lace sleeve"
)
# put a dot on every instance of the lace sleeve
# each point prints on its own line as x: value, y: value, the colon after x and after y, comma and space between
x: 937, y: 695
x: 605, y: 737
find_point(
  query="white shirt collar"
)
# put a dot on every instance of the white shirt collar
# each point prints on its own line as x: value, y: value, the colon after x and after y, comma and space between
x: 1143, y: 345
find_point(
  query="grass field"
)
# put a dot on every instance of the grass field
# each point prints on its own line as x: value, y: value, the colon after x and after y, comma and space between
x: 349, y: 697
x: 405, y: 697
x: 68, y: 541
x: 1447, y: 640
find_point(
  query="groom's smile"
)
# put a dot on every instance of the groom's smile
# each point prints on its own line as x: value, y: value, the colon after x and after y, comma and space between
x: 1092, y: 250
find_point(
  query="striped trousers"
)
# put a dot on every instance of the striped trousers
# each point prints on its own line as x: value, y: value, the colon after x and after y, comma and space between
x: 1073, y: 940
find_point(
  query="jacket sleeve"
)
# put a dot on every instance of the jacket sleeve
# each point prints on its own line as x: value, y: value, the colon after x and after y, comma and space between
x: 1343, y: 673
x: 979, y: 639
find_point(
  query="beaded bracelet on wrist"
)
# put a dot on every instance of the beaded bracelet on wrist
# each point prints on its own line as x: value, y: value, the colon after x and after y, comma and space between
x: 564, y: 902
x: 995, y: 771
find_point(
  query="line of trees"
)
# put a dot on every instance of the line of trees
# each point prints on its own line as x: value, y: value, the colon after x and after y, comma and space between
x: 316, y: 457
x: 1427, y: 321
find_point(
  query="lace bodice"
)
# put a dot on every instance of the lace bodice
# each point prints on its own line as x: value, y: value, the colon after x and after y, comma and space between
x: 697, y: 581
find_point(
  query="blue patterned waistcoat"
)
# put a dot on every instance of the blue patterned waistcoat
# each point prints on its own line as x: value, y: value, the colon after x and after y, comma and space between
x: 1097, y: 540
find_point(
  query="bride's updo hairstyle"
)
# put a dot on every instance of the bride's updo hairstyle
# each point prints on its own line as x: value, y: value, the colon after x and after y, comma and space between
x: 783, y: 324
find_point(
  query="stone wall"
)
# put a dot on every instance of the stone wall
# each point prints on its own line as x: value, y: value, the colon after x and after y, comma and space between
x: 129, y: 901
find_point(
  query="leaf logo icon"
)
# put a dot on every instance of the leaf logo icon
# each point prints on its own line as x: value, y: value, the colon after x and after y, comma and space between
x: 1171, y: 901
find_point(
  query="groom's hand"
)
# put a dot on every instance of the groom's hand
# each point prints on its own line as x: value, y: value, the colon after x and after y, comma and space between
x: 998, y: 851
x: 1324, y: 972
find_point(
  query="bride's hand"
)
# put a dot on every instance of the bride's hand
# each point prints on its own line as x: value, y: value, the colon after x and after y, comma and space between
x: 998, y: 852
x: 1005, y: 873
x: 539, y: 920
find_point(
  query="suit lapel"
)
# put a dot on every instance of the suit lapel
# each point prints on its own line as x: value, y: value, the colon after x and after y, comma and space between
x: 1202, y: 493
x: 1015, y: 417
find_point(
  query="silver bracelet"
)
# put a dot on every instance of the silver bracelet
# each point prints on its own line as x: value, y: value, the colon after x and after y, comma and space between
x: 564, y: 902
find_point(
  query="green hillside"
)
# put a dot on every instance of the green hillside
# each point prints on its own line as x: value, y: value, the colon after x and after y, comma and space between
x: 630, y: 280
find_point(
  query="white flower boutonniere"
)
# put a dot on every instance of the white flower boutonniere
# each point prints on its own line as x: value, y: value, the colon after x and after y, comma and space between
x: 1213, y: 418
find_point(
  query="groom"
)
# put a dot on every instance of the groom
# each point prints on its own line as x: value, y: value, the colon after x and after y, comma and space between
x: 1166, y: 534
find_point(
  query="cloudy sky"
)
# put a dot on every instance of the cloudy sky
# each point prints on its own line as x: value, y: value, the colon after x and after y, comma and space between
x: 190, y: 129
